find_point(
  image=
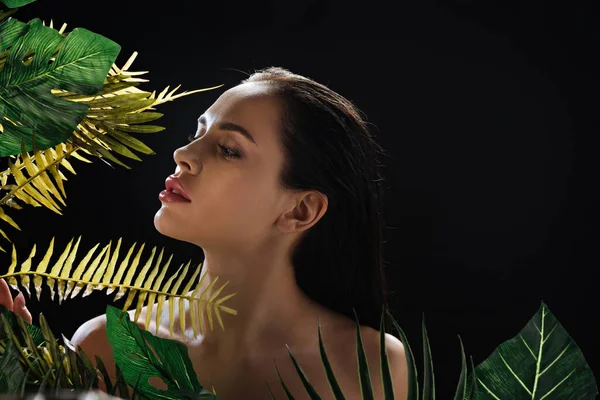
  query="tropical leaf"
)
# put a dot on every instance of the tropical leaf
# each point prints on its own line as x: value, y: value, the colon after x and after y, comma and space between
x: 33, y: 68
x: 541, y: 363
x: 5, y: 14
x: 413, y: 379
x: 386, y: 374
x: 363, y: 368
x: 16, y: 3
x: 142, y: 356
x: 113, y: 114
x: 36, y: 333
x: 11, y: 371
x: 99, y: 272
x: 461, y: 390
x: 428, y: 376
x: 335, y: 387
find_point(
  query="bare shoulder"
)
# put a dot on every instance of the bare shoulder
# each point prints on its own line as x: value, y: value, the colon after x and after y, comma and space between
x: 396, y: 359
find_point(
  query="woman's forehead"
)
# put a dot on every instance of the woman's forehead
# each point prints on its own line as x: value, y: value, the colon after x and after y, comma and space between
x: 249, y: 103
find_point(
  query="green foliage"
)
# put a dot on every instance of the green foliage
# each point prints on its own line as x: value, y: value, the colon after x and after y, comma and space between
x: 141, y: 356
x: 16, y: 3
x: 40, y: 60
x: 541, y: 362
x: 558, y: 367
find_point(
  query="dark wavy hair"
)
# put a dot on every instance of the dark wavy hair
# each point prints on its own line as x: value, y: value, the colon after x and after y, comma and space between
x: 338, y: 261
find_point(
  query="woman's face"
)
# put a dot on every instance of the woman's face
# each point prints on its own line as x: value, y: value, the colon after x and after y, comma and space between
x: 230, y: 179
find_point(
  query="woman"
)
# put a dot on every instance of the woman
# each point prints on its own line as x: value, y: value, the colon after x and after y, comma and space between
x: 280, y: 188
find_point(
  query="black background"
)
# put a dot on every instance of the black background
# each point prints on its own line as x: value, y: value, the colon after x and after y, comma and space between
x: 485, y: 106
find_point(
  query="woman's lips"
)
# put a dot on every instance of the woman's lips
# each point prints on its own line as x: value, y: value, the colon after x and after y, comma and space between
x: 174, y: 191
x: 172, y: 197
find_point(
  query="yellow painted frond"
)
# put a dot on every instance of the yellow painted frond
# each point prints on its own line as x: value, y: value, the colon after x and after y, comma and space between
x: 97, y: 273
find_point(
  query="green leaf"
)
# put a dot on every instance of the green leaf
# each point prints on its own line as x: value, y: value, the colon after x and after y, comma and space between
x: 11, y: 372
x: 36, y: 333
x: 120, y: 384
x: 428, y: 376
x: 335, y: 387
x: 16, y: 3
x: 386, y: 375
x: 107, y: 381
x: 138, y: 351
x: 312, y: 393
x: 413, y: 381
x: 80, y: 65
x: 541, y: 363
x: 5, y: 14
x: 288, y: 394
x: 364, y: 375
x: 461, y: 390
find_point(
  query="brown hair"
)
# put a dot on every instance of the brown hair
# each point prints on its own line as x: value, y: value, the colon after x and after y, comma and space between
x: 328, y: 148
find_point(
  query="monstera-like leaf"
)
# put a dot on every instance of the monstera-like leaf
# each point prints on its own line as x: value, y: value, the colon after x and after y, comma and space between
x: 40, y: 60
x: 16, y: 3
x: 142, y: 356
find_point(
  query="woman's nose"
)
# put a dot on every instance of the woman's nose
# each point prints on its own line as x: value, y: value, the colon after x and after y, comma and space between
x: 185, y: 161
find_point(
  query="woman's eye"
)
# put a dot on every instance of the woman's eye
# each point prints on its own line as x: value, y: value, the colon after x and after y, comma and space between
x: 228, y: 153
x: 225, y: 151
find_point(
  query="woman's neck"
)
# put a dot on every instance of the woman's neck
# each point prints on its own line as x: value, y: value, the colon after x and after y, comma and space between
x: 270, y: 307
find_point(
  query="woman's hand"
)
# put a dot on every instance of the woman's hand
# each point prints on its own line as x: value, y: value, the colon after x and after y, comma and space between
x: 17, y: 306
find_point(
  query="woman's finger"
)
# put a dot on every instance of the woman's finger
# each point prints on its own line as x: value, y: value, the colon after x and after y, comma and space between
x: 21, y: 309
x: 5, y: 295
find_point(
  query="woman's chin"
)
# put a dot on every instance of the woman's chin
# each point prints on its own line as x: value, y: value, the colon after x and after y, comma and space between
x: 166, y: 225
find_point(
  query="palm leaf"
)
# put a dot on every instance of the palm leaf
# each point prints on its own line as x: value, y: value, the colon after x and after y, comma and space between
x: 428, y: 376
x: 364, y: 375
x: 386, y: 377
x: 413, y: 381
x: 94, y: 273
x: 542, y: 362
x: 312, y: 393
x: 335, y: 387
x: 461, y: 389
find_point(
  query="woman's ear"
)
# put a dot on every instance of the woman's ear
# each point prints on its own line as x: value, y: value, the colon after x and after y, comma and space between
x: 309, y: 207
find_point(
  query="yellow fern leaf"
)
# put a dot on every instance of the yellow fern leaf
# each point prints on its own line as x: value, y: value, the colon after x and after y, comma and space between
x: 147, y: 284
x: 83, y: 265
x: 94, y: 275
x: 193, y: 311
x: 139, y: 281
x: 11, y: 280
x: 130, y: 273
x: 161, y: 297
x: 41, y: 268
x: 121, y: 270
x: 39, y: 178
x: 56, y: 269
x: 94, y: 270
x: 156, y: 287
x: 180, y: 302
x: 64, y: 274
x: 172, y: 300
x: 8, y: 219
x: 26, y: 267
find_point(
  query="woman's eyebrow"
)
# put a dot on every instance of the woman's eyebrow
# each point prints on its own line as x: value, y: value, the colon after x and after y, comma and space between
x: 230, y: 126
